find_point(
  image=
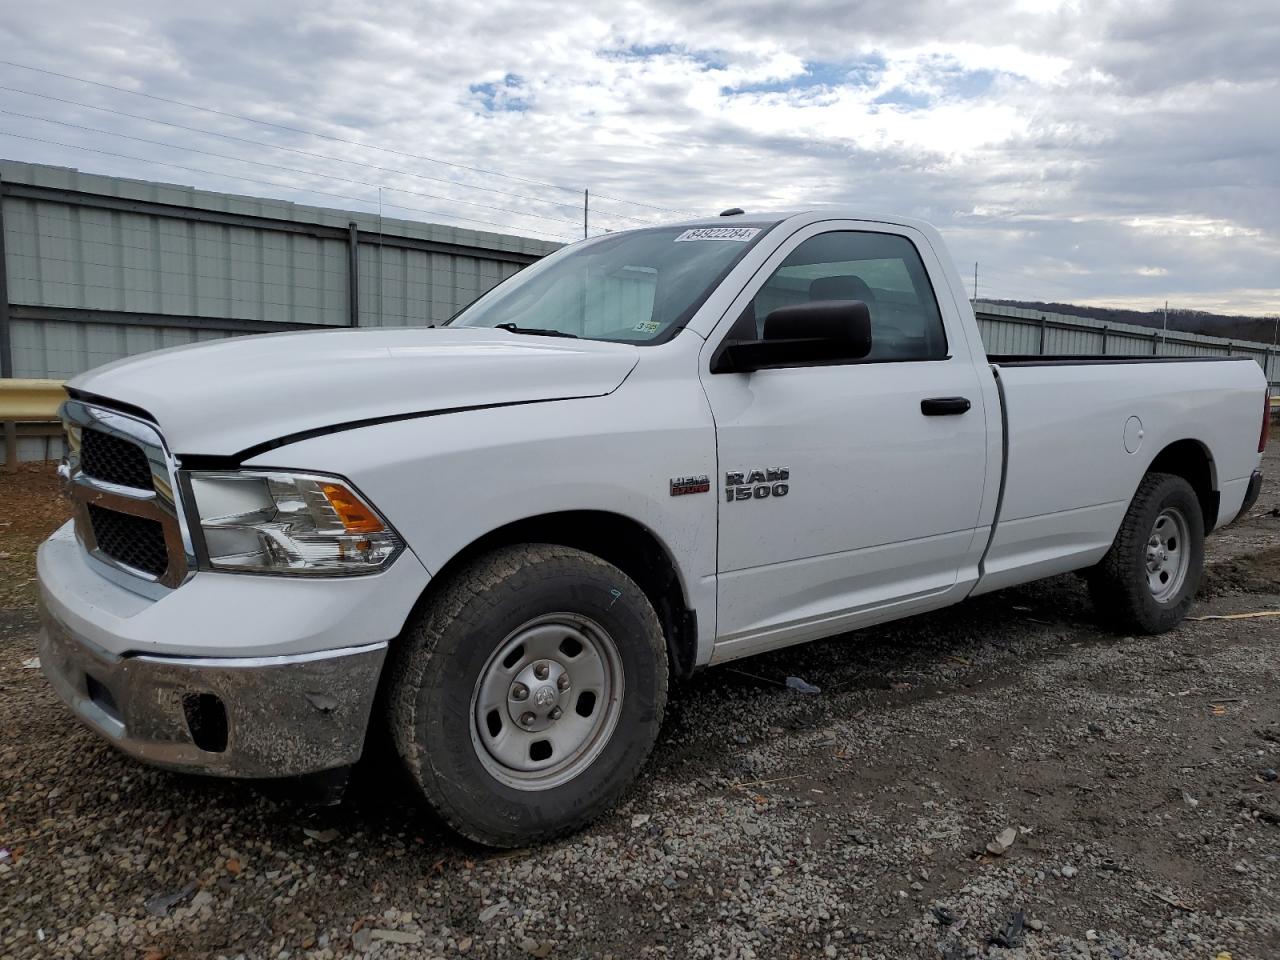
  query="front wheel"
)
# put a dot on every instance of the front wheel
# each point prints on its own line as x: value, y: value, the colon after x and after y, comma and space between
x: 527, y: 695
x: 1149, y: 577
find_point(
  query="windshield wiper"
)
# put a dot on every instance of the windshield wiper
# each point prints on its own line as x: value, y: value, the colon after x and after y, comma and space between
x: 534, y: 331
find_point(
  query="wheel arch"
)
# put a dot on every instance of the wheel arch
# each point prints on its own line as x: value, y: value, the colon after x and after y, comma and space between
x: 1193, y: 461
x: 615, y: 538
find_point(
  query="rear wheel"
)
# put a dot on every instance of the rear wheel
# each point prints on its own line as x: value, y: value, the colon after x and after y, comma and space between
x: 1149, y: 577
x: 527, y: 695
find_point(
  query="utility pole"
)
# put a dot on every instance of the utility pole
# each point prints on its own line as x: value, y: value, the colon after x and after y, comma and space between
x: 975, y: 280
x: 1164, y: 330
x: 584, y: 214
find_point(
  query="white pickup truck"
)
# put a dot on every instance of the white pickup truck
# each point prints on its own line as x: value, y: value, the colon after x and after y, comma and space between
x: 493, y: 545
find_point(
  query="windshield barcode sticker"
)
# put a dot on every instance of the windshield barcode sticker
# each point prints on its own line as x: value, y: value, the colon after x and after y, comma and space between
x: 741, y: 234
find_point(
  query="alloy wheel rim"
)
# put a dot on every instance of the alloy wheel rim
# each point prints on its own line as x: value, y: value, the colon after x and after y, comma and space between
x: 1168, y: 554
x: 547, y: 701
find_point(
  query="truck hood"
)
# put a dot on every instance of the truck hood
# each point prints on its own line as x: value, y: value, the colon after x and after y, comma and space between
x: 224, y: 397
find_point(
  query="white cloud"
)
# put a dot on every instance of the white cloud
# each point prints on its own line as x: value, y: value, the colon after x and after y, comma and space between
x: 1062, y: 145
x: 1192, y: 227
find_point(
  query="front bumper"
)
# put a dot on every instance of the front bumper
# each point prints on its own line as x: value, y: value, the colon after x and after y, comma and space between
x: 280, y: 716
x: 230, y: 675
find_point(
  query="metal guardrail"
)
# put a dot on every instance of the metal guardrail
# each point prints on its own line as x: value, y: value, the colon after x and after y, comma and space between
x: 24, y: 402
x: 31, y: 399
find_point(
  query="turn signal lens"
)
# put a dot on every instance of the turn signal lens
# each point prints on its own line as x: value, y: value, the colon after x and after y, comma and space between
x: 351, y: 510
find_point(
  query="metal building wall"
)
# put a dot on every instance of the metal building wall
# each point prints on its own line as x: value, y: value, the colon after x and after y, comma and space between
x: 1016, y: 330
x: 404, y: 288
x: 60, y: 255
x: 97, y: 268
x: 58, y: 350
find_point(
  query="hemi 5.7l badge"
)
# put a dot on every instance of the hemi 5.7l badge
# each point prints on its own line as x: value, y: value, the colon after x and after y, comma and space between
x: 682, y: 485
x: 757, y: 484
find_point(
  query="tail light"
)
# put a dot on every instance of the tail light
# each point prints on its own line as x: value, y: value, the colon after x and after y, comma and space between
x: 1266, y: 420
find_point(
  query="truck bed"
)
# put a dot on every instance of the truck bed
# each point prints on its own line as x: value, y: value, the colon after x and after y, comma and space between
x: 1080, y: 433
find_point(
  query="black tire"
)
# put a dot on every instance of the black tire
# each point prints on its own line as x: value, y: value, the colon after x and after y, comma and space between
x: 1119, y: 585
x: 450, y: 646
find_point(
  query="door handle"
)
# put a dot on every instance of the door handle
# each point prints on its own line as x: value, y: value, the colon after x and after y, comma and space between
x: 944, y: 406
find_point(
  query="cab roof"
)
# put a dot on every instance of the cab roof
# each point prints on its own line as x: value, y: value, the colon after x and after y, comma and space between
x: 800, y: 217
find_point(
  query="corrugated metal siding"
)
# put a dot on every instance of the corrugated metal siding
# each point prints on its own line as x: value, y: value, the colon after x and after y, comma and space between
x: 61, y: 350
x: 401, y: 287
x: 283, y: 210
x: 61, y: 254
x: 1013, y: 330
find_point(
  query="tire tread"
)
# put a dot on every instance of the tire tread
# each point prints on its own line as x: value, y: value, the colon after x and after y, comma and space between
x: 1120, y: 597
x: 453, y: 603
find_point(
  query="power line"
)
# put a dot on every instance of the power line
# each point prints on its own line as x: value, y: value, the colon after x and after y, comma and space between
x: 270, y: 183
x: 278, y: 166
x: 303, y: 153
x: 331, y: 137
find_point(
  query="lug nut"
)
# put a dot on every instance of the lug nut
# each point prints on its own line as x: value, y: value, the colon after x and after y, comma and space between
x: 541, y: 670
x: 563, y: 681
x: 519, y: 692
x: 555, y: 713
x: 526, y: 719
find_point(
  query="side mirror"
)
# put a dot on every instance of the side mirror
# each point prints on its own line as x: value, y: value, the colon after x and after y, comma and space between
x: 823, y: 331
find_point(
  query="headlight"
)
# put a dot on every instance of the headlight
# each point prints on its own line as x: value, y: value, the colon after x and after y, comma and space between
x: 270, y: 522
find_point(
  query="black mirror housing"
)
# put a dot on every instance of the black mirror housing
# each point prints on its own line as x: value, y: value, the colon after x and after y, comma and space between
x: 819, y: 332
x: 844, y: 322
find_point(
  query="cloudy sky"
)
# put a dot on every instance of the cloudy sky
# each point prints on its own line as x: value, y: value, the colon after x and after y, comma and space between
x: 1117, y: 153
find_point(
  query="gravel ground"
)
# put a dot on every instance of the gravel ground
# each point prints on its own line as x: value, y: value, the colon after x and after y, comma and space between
x: 1131, y: 780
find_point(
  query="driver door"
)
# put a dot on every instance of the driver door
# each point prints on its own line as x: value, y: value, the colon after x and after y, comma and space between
x: 844, y: 497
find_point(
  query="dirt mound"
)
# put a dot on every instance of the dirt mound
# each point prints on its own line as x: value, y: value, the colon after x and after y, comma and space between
x: 1252, y: 573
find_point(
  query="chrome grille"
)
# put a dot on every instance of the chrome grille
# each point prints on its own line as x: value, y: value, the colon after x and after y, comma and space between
x: 135, y: 542
x: 121, y: 480
x: 105, y: 456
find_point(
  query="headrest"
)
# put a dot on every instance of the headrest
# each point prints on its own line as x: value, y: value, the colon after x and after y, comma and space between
x: 841, y: 288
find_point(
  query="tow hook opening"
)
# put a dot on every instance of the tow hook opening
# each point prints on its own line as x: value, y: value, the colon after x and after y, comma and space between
x: 206, y: 720
x: 101, y: 696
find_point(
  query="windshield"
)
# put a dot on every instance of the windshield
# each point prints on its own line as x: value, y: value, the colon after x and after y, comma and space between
x: 634, y: 287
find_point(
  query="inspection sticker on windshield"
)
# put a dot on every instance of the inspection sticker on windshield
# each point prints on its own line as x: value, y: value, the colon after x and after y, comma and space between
x: 740, y: 234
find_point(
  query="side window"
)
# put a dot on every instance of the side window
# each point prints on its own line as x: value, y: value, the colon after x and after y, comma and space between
x: 882, y: 270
